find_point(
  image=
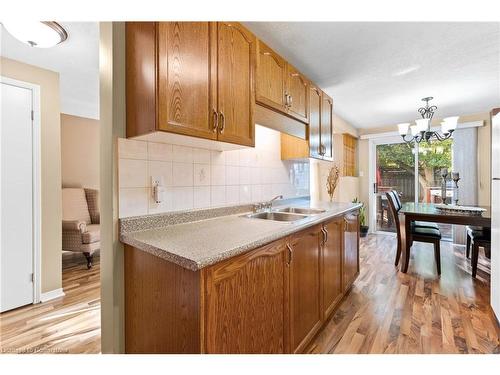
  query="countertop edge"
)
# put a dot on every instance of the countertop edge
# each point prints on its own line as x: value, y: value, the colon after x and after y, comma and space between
x: 127, y: 238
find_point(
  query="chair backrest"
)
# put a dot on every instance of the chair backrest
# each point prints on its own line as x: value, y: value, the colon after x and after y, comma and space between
x: 92, y: 196
x: 394, y: 207
x: 74, y: 204
x: 398, y: 199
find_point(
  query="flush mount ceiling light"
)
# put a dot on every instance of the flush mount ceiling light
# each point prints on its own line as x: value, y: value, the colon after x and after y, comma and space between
x: 422, y: 128
x: 41, y: 34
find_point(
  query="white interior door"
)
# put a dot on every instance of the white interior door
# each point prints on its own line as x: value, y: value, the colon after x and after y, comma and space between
x: 495, y: 218
x: 16, y: 197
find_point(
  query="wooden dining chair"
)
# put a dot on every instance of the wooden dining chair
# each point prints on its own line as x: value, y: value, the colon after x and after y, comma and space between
x: 477, y: 237
x: 418, y: 233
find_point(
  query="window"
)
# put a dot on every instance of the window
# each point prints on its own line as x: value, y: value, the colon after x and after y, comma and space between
x: 350, y: 147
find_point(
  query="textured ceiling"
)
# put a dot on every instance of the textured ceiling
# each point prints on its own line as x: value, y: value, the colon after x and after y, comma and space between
x: 76, y: 60
x: 378, y: 72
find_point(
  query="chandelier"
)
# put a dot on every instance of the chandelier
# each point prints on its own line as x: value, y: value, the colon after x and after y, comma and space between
x: 421, y: 130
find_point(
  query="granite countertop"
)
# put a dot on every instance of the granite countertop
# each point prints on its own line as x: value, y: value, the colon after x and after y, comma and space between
x: 199, y: 243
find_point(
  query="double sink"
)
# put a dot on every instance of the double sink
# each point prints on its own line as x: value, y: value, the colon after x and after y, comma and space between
x: 287, y: 214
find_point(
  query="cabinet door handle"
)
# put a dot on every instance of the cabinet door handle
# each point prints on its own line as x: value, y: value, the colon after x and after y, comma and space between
x: 222, y: 122
x: 326, y: 235
x: 286, y: 99
x: 215, y: 120
x: 291, y: 100
x: 290, y: 254
x: 323, y: 231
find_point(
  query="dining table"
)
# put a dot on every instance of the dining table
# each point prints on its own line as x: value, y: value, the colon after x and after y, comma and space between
x: 429, y: 212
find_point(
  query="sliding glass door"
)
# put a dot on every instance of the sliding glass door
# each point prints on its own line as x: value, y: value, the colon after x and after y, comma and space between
x: 395, y: 170
x: 414, y: 171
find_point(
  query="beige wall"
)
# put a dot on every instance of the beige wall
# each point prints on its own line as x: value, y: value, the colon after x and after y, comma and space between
x: 484, y: 156
x: 79, y: 151
x: 51, y: 210
x: 112, y: 127
x: 348, y: 187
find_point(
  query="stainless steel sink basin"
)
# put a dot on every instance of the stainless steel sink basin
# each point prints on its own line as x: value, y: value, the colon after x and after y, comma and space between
x: 276, y: 216
x: 299, y: 210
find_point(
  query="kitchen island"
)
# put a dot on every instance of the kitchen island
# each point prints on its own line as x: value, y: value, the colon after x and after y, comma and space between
x: 218, y: 281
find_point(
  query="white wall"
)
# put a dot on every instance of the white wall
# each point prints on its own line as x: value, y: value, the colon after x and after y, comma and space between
x: 198, y: 178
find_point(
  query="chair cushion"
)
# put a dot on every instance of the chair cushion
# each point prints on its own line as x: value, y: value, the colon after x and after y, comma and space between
x: 425, y: 224
x: 92, y: 234
x: 429, y: 232
x: 74, y: 205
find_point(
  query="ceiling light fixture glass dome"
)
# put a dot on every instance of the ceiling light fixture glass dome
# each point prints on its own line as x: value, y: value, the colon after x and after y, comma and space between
x: 40, y: 34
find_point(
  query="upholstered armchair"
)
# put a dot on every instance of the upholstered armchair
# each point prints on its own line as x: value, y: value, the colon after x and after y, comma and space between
x: 80, y: 226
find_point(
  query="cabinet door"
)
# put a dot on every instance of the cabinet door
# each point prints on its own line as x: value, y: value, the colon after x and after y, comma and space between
x: 314, y: 121
x: 270, y: 78
x: 326, y: 126
x: 185, y: 90
x: 245, y: 302
x: 235, y: 83
x: 332, y: 265
x: 350, y: 264
x: 296, y: 89
x: 305, y: 287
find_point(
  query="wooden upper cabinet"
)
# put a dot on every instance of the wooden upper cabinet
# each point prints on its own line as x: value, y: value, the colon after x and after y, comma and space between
x: 270, y: 78
x: 332, y: 265
x: 296, y: 90
x: 314, y: 121
x: 235, y: 84
x: 140, y: 79
x: 185, y: 93
x: 246, y: 302
x: 305, y: 287
x: 350, y: 265
x: 326, y: 126
x: 191, y: 78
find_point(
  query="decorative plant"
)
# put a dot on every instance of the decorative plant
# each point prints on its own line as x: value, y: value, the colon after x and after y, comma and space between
x: 362, y: 215
x: 332, y: 181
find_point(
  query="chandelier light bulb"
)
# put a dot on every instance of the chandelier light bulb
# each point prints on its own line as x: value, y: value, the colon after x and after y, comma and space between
x: 422, y: 124
x: 403, y: 128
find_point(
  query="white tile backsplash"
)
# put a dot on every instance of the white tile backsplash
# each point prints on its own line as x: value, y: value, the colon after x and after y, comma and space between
x: 132, y: 149
x: 199, y: 178
x: 161, y: 171
x: 182, y: 174
x: 201, y: 196
x: 133, y: 173
x: 201, y: 174
x: 182, y: 198
x: 159, y: 151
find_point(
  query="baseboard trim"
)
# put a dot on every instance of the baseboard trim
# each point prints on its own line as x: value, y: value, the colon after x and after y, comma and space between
x: 53, y: 294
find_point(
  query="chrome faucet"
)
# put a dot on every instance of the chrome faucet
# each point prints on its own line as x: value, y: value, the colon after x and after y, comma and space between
x: 269, y: 204
x: 266, y: 205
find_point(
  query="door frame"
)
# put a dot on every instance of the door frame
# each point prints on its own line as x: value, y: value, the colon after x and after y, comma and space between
x: 36, y: 198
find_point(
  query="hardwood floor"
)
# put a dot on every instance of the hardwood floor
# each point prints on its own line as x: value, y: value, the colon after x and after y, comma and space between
x: 65, y: 325
x: 386, y: 311
x: 391, y: 312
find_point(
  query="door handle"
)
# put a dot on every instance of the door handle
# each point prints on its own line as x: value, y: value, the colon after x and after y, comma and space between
x: 375, y: 188
x: 496, y: 178
x: 215, y: 120
x: 222, y: 122
x: 290, y: 254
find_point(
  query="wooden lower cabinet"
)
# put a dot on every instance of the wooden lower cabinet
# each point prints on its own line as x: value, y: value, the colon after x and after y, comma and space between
x: 332, y: 265
x: 273, y: 299
x: 305, y: 287
x: 246, y: 302
x: 350, y: 263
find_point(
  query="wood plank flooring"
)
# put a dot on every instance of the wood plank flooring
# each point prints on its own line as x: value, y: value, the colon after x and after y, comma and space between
x: 65, y: 325
x: 418, y: 312
x: 386, y: 311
